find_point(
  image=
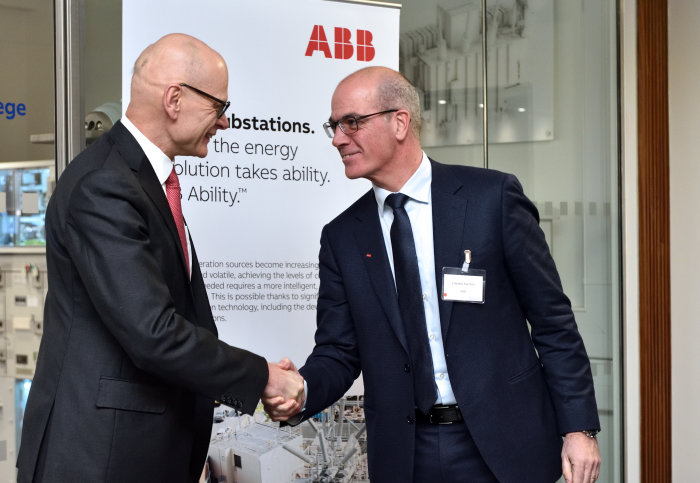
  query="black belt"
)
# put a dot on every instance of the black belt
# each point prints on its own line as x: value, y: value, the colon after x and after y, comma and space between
x: 439, y: 414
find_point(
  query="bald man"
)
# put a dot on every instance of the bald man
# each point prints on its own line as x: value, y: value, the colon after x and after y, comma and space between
x: 488, y: 386
x: 130, y: 364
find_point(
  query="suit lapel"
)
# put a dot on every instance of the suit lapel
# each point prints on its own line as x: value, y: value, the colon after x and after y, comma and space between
x: 370, y: 241
x: 154, y: 190
x: 138, y: 162
x: 449, y: 207
x: 449, y: 214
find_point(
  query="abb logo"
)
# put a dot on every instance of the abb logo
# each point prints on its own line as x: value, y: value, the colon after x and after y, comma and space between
x: 344, y: 47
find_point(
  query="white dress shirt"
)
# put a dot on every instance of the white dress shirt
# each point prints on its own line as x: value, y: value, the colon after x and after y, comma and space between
x: 420, y: 213
x: 162, y: 165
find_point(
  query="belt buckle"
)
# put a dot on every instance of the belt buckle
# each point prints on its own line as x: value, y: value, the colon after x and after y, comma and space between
x: 437, y: 419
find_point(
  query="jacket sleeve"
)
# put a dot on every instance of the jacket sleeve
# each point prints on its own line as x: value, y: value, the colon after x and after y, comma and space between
x: 334, y: 363
x: 553, y: 328
x: 113, y: 245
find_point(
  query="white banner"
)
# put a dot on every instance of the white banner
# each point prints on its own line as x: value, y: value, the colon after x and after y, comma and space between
x: 256, y: 204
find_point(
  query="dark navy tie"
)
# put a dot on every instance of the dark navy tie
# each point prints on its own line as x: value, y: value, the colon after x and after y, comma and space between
x: 410, y: 294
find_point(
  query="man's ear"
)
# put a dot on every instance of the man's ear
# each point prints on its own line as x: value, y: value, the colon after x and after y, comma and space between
x: 172, y: 97
x: 403, y: 124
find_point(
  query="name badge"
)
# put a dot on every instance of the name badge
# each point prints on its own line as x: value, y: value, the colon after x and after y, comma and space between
x: 464, y: 284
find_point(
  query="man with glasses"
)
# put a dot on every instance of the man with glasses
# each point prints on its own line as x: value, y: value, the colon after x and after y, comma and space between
x: 438, y: 286
x: 130, y: 365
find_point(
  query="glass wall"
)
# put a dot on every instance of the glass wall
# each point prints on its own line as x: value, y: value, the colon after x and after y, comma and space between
x: 570, y: 168
x: 27, y: 158
x: 551, y: 119
x: 26, y: 87
x: 24, y: 193
x: 102, y: 63
x: 88, y: 59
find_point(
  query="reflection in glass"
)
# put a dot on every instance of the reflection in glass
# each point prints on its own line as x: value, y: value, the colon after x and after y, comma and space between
x: 22, y: 387
x: 551, y: 110
x: 24, y: 195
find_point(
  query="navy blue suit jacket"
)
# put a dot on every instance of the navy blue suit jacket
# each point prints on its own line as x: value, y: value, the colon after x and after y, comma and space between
x: 519, y: 389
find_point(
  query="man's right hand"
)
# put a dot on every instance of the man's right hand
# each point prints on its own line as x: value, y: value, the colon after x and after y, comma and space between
x: 283, y: 396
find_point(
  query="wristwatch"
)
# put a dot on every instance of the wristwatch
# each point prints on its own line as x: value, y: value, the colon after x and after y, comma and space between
x: 591, y: 433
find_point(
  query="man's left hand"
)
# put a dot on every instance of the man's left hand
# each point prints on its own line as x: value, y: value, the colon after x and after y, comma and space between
x: 580, y: 458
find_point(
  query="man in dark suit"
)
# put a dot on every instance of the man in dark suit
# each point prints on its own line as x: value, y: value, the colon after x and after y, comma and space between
x: 130, y: 364
x: 469, y: 393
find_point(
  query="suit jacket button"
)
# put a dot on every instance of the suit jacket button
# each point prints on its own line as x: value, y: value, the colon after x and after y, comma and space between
x: 406, y: 368
x: 410, y: 419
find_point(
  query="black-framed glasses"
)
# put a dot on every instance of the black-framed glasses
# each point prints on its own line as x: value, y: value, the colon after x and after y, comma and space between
x: 223, y: 104
x: 349, y: 124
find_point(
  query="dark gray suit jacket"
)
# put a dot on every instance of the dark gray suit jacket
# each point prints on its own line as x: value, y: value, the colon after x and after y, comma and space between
x: 130, y: 364
x: 519, y: 390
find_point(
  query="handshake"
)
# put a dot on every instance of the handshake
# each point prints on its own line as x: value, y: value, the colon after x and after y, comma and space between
x: 283, y: 396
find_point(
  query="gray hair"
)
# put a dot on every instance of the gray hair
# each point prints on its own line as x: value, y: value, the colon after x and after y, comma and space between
x: 396, y: 91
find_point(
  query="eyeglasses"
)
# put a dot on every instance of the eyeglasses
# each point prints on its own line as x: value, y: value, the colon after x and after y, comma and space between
x: 349, y: 124
x: 224, y: 104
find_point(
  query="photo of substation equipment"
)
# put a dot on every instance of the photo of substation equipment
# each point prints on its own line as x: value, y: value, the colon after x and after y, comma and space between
x: 328, y: 448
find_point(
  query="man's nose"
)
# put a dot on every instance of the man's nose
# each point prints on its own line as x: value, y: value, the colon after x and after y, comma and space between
x: 339, y: 137
x: 222, y: 122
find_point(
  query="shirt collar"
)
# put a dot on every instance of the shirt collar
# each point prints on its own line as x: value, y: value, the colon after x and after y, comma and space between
x: 417, y: 187
x: 161, y: 163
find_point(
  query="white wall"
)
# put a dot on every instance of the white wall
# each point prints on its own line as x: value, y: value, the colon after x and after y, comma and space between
x: 630, y: 210
x: 684, y: 117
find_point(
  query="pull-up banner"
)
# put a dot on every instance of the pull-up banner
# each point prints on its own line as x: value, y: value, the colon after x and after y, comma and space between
x: 255, y: 206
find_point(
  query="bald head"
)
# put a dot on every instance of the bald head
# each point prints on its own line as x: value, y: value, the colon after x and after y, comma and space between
x: 175, y: 57
x: 391, y: 90
x: 156, y: 100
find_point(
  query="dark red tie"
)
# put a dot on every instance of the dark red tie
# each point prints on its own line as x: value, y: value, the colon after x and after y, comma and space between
x: 172, y: 191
